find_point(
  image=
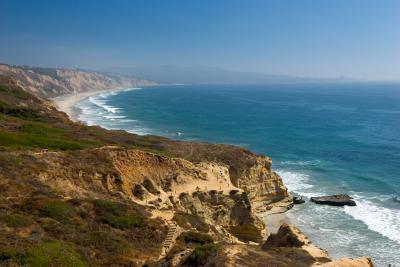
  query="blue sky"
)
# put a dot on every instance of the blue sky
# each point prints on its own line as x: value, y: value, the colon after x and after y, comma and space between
x: 354, y: 38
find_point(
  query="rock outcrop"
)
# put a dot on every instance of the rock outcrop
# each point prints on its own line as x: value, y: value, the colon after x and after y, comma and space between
x: 232, y: 211
x: 247, y: 170
x: 298, y: 200
x: 291, y: 238
x: 290, y: 241
x: 197, y: 190
x: 334, y: 200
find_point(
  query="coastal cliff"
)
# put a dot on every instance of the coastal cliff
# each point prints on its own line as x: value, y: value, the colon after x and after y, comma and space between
x: 52, y: 82
x: 103, y: 197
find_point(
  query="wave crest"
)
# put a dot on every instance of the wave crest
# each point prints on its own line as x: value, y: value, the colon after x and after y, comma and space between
x: 379, y: 219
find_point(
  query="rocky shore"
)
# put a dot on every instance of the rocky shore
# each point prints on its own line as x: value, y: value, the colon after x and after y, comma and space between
x: 113, y: 198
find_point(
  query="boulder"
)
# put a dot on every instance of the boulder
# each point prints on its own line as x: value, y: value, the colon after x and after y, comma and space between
x: 287, y: 236
x: 298, y: 200
x: 334, y: 200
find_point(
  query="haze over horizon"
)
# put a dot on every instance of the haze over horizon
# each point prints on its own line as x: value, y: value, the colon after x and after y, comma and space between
x: 357, y: 39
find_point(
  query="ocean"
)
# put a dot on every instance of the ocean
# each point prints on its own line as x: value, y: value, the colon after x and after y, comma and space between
x: 323, y: 139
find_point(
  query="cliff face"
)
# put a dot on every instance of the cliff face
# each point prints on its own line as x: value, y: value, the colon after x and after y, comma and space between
x: 262, y: 183
x: 169, y: 185
x: 247, y: 170
x: 46, y: 82
x: 113, y: 198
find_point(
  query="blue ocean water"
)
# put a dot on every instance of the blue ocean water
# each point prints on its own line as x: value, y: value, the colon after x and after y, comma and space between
x: 323, y: 139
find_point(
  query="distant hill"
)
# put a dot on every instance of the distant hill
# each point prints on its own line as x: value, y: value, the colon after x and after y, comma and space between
x: 211, y: 75
x: 51, y: 82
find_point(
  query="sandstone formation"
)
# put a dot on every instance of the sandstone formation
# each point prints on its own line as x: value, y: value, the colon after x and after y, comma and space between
x: 291, y: 238
x: 199, y: 190
x: 290, y: 241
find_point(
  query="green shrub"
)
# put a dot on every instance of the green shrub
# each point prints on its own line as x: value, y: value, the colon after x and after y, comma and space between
x: 195, y: 237
x: 202, y: 254
x: 16, y: 220
x: 40, y: 129
x: 45, y: 254
x: 22, y: 113
x: 3, y: 88
x: 123, y: 222
x: 59, y: 230
x: 4, y: 107
x: 58, y: 210
x: 116, y: 214
x: 19, y: 93
x: 102, y: 241
x: 104, y: 206
x: 23, y: 140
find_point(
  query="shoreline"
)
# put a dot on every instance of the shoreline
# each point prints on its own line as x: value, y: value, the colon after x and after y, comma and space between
x: 67, y: 103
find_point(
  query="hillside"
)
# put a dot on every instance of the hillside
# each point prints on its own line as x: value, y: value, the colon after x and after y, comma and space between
x: 74, y: 195
x: 212, y: 75
x: 51, y: 82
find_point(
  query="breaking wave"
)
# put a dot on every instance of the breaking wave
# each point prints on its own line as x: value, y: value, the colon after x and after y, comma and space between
x: 380, y: 219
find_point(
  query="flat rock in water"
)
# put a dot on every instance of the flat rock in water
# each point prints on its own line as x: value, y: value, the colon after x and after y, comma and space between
x: 335, y: 200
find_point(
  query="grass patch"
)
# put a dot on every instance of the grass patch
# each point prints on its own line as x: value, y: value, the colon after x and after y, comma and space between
x: 58, y: 210
x: 22, y: 113
x: 16, y: 220
x: 103, y: 206
x: 202, y: 254
x: 60, y: 230
x: 40, y: 129
x: 123, y: 222
x: 102, y: 241
x: 19, y: 93
x: 24, y: 140
x: 195, y: 238
x: 45, y: 254
x: 116, y: 215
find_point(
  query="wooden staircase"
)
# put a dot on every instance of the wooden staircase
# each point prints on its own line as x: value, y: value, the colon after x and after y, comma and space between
x: 173, y: 232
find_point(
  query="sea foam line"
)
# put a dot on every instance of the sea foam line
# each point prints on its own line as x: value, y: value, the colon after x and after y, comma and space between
x: 295, y: 181
x: 102, y: 103
x: 378, y: 219
x: 381, y: 220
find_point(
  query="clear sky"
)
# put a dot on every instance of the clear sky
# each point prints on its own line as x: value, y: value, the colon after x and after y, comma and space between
x: 321, y: 38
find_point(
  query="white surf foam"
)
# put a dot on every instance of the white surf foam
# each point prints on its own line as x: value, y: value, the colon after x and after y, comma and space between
x: 295, y: 181
x: 114, y: 116
x: 103, y: 104
x: 301, y: 163
x: 382, y: 220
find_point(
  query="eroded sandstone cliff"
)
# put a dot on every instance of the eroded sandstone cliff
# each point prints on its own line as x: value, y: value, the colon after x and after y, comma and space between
x: 48, y: 82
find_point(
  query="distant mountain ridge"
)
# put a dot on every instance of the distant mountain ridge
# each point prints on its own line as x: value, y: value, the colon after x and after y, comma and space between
x: 52, y: 82
x: 212, y: 75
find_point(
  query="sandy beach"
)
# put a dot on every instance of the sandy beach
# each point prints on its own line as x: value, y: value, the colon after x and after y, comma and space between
x: 66, y: 103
